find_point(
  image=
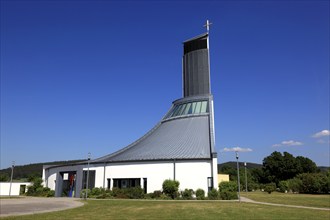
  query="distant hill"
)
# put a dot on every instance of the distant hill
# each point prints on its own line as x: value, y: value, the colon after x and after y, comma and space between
x: 24, y: 171
x: 233, y: 164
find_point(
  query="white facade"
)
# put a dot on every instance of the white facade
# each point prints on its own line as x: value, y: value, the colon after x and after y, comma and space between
x: 192, y: 174
x: 15, y: 188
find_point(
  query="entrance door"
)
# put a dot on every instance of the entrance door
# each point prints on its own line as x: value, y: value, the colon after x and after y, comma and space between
x: 68, y: 184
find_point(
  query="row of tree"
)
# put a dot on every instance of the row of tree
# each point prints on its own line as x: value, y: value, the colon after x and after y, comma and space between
x: 285, y: 172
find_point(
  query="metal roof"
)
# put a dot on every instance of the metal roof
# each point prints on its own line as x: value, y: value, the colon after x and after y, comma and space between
x: 181, y: 138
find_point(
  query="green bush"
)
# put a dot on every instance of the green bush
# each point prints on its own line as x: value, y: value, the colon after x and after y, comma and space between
x: 213, y: 194
x: 187, y: 194
x: 157, y: 193
x: 83, y: 193
x: 36, y: 189
x: 228, y: 195
x: 228, y: 190
x: 314, y: 183
x: 134, y: 192
x: 294, y: 185
x: 270, y: 187
x: 230, y: 186
x: 252, y: 186
x: 283, y: 186
x: 170, y: 188
x: 200, y: 194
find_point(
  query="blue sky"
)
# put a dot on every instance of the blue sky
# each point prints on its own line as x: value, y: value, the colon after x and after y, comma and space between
x: 93, y: 76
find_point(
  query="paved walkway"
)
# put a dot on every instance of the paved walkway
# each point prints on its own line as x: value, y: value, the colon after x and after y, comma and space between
x: 32, y: 205
x: 244, y: 199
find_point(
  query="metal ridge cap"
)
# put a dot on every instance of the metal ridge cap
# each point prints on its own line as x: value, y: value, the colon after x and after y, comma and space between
x: 185, y: 116
x: 193, y: 98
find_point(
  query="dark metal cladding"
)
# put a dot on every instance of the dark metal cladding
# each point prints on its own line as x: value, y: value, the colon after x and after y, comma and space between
x: 196, y: 70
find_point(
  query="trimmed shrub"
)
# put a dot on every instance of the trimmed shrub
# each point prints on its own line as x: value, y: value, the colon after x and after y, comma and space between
x: 187, y: 194
x: 228, y: 195
x: 213, y: 194
x: 170, y: 188
x: 134, y: 192
x: 200, y: 194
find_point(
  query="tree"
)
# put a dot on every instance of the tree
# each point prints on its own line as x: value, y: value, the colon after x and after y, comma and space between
x: 272, y: 167
x: 306, y: 165
x: 4, y: 177
x: 270, y: 187
x: 313, y: 183
x: 278, y: 167
x: 226, y: 169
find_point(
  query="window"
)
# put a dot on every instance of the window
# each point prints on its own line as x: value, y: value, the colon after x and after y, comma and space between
x: 108, y: 183
x: 188, y: 109
x: 126, y: 183
x: 145, y: 185
x: 204, y: 107
x: 91, y: 179
x: 198, y: 108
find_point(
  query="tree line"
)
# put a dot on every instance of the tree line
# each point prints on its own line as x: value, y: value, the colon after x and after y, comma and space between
x: 283, y: 172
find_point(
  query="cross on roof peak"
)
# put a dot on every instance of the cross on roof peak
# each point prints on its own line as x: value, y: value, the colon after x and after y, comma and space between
x: 207, y: 25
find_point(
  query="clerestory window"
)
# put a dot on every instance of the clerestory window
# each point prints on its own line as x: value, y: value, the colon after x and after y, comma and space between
x: 189, y: 108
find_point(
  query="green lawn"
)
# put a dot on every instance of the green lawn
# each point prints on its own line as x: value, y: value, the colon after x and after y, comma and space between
x: 322, y: 201
x: 148, y: 209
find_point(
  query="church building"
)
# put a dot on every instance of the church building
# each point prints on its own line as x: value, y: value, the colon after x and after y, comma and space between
x: 180, y: 147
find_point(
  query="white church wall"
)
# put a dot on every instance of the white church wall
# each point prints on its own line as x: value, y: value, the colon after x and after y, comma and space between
x: 215, y: 172
x: 51, y: 181
x: 155, y: 172
x: 190, y: 174
x: 99, y: 173
x: 15, y: 188
x: 193, y: 175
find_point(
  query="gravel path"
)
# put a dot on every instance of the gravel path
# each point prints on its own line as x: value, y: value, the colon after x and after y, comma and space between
x: 244, y: 199
x: 32, y: 205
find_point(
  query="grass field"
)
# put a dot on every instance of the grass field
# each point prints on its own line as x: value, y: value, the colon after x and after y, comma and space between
x: 321, y: 201
x: 148, y: 209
